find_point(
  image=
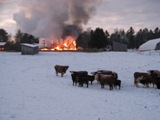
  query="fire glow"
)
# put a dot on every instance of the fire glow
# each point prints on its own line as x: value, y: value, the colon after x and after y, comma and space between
x: 68, y: 43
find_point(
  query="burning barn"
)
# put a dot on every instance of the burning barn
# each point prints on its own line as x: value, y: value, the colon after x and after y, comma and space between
x: 29, y: 49
x: 45, y: 43
x: 66, y: 42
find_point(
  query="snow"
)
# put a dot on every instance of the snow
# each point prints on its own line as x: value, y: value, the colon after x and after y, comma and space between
x: 30, y: 90
x: 2, y: 43
x: 30, y: 45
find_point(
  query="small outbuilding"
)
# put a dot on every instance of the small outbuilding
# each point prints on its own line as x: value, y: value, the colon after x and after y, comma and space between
x: 153, y: 44
x: 3, y: 46
x: 119, y: 46
x: 29, y: 49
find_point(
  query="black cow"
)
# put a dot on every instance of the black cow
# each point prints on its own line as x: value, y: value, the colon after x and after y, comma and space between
x: 78, y: 77
x: 158, y: 82
x: 85, y: 79
x: 74, y: 79
x: 155, y: 74
x: 117, y: 83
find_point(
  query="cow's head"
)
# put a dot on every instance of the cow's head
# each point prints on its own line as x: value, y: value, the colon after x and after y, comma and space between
x: 66, y: 68
x: 71, y: 72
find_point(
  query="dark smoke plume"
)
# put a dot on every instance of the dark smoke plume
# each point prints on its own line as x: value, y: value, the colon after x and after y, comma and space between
x: 48, y: 18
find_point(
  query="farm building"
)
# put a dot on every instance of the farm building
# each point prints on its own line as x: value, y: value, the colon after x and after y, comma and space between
x: 2, y: 46
x: 150, y: 45
x: 29, y: 49
x: 119, y: 46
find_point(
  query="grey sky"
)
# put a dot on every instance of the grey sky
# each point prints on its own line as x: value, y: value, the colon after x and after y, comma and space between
x: 110, y: 14
x: 125, y: 13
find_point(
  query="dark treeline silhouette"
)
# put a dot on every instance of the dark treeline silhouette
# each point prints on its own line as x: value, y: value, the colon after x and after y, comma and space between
x: 15, y: 44
x: 3, y: 35
x: 91, y: 39
x: 99, y: 38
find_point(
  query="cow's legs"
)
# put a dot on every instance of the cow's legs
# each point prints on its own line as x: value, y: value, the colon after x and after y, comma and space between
x: 62, y: 74
x: 56, y: 73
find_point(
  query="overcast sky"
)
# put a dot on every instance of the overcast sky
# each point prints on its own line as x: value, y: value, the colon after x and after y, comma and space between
x: 110, y: 14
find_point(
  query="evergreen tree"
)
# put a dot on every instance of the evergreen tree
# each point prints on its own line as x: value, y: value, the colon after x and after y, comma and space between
x: 18, y: 38
x: 83, y: 40
x: 118, y: 36
x: 139, y: 38
x: 3, y: 35
x: 131, y: 38
x: 107, y: 36
x: 115, y: 37
x: 98, y: 39
x: 151, y: 35
x: 23, y: 38
x: 145, y: 35
x: 156, y: 32
x: 91, y: 41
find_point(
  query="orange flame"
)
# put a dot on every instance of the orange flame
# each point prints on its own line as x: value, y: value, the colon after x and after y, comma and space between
x: 68, y: 43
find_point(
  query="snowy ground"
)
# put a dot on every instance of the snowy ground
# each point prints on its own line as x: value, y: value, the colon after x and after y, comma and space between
x: 30, y: 90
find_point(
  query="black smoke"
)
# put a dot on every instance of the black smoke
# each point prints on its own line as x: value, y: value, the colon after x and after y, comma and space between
x: 54, y: 18
x: 71, y: 30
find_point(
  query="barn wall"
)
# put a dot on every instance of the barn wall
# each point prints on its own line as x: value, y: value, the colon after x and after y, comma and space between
x: 157, y: 46
x: 119, y: 47
x: 2, y: 48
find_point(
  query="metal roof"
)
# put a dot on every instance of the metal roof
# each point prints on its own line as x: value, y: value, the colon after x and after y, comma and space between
x: 2, y: 43
x: 149, y: 45
x: 30, y: 45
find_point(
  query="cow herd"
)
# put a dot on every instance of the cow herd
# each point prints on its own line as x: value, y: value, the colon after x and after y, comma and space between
x: 110, y: 78
x: 151, y: 77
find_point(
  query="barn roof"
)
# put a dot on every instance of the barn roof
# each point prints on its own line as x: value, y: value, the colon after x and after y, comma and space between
x: 149, y: 45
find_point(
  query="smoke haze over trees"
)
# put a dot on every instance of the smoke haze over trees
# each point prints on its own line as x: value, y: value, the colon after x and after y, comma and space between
x: 97, y: 38
x: 56, y: 19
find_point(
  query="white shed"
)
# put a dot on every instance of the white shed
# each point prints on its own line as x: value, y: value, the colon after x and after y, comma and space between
x: 153, y: 44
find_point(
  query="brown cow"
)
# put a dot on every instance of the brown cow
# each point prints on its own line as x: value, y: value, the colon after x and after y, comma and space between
x: 106, y: 79
x: 143, y: 78
x: 104, y: 72
x: 138, y: 75
x: 156, y: 72
x: 61, y: 69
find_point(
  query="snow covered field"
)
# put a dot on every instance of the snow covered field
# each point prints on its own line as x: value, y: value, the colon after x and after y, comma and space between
x: 30, y: 90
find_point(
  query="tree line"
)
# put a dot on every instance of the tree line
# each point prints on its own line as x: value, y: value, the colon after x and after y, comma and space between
x: 97, y: 38
x: 14, y: 44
